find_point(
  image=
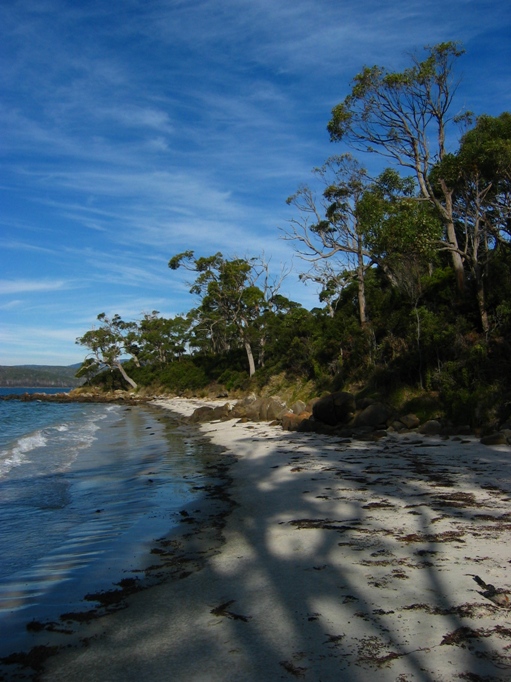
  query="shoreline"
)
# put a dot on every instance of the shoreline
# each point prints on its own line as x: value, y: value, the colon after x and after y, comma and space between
x: 76, y: 590
x: 339, y: 559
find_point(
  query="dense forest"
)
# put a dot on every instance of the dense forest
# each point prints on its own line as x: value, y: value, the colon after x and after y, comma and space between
x: 413, y: 265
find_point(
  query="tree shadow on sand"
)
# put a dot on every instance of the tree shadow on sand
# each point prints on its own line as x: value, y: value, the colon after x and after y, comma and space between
x: 341, y: 561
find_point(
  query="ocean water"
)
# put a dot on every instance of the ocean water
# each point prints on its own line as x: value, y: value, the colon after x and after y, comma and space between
x: 85, y: 489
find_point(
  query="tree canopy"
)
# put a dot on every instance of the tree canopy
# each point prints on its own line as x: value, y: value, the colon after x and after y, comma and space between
x: 412, y: 263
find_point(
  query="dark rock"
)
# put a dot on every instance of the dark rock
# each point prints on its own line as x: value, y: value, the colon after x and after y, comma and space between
x: 313, y: 426
x: 310, y: 404
x: 373, y: 415
x: 497, y: 438
x: 464, y: 430
x: 362, y: 403
x: 411, y: 421
x: 455, y: 431
x: 333, y: 409
x: 431, y: 428
x: 208, y: 414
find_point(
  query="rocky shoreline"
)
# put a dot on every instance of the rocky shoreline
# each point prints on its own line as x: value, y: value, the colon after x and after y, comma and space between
x: 339, y: 414
x: 120, y: 397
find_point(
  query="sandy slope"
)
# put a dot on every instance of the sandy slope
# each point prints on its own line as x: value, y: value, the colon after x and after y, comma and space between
x: 342, y: 561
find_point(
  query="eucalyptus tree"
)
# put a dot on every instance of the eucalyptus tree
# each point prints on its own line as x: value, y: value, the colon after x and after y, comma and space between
x: 113, y: 339
x: 327, y: 231
x: 398, y: 229
x: 162, y: 339
x: 230, y: 303
x: 357, y: 223
x: 479, y: 175
x: 406, y: 117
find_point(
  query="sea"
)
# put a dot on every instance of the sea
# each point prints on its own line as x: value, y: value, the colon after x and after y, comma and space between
x: 85, y: 490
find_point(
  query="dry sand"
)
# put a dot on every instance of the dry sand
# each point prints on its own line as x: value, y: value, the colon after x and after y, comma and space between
x: 341, y: 561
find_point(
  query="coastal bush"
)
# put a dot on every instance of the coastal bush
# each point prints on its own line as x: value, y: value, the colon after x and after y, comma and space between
x: 182, y: 375
x: 233, y: 380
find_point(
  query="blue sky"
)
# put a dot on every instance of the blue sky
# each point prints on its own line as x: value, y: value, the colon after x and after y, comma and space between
x: 132, y: 130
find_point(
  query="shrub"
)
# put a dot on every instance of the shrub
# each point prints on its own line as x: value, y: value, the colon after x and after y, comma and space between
x: 233, y: 379
x: 182, y: 375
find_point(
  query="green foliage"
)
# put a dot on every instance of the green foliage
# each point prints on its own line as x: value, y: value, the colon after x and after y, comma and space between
x: 160, y: 339
x: 233, y: 380
x: 400, y: 318
x: 182, y: 375
x: 230, y: 303
x: 396, y: 223
x: 88, y: 369
x: 109, y: 342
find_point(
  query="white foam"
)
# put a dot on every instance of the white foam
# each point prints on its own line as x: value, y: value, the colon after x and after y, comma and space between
x: 73, y: 436
x: 18, y: 453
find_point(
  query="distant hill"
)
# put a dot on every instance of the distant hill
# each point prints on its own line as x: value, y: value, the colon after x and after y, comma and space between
x: 43, y: 376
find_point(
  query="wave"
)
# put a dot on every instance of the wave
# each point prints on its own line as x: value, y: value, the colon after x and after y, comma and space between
x: 16, y: 455
x: 65, y: 438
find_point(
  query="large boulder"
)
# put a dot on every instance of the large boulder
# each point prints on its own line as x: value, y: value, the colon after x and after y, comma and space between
x: 240, y: 407
x: 498, y: 438
x: 253, y: 410
x: 410, y: 421
x: 292, y: 421
x: 374, y: 415
x: 431, y: 428
x: 275, y: 408
x: 208, y: 414
x: 298, y: 407
x: 333, y: 409
x: 265, y: 409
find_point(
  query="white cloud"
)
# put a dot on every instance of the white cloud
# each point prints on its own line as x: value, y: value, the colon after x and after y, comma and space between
x: 10, y: 305
x: 136, y: 116
x: 25, y: 285
x: 25, y: 246
x: 184, y: 124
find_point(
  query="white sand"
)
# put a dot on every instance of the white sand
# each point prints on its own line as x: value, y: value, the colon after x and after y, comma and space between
x: 342, y: 561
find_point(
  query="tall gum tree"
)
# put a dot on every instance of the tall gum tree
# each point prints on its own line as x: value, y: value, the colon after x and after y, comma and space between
x: 161, y: 339
x: 405, y: 116
x: 327, y: 232
x: 358, y: 223
x: 479, y: 174
x: 228, y: 298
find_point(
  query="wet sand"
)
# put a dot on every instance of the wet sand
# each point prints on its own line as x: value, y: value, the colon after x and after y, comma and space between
x: 339, y: 561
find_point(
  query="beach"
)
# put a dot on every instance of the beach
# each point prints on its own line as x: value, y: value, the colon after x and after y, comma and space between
x: 332, y: 559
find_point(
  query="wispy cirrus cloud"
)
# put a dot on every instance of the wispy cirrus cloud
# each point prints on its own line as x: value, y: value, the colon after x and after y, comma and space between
x: 14, y: 245
x: 133, y: 131
x: 20, y: 286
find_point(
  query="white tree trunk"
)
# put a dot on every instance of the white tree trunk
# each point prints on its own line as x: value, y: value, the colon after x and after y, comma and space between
x: 250, y: 356
x: 125, y: 376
